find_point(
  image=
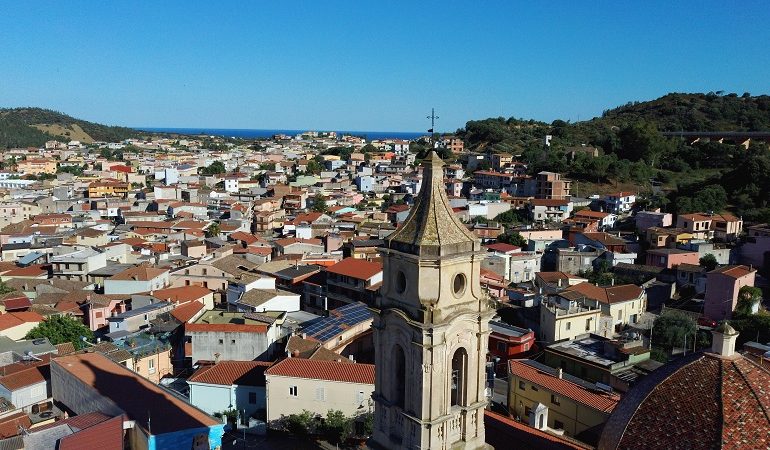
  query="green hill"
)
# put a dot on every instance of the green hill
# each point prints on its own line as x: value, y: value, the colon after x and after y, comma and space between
x: 32, y: 127
x: 634, y: 155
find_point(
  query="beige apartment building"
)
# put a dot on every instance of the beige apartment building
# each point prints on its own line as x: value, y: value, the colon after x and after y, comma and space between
x: 297, y: 384
x: 538, y: 393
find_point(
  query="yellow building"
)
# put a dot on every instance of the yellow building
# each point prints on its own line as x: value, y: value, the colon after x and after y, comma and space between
x: 547, y: 398
x: 567, y: 316
x: 101, y: 189
x: 37, y: 166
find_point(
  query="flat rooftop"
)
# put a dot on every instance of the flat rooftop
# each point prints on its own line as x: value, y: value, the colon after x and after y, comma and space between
x: 142, y: 400
x: 218, y: 317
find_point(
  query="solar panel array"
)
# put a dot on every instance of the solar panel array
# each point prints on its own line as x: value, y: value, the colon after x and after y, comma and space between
x: 339, y: 320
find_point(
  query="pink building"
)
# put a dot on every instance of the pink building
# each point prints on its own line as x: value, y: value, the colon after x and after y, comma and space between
x: 671, y: 257
x: 722, y: 286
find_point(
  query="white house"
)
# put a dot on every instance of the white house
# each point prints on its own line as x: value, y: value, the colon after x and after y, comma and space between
x: 297, y: 384
x: 227, y: 385
x: 135, y: 280
x: 620, y: 202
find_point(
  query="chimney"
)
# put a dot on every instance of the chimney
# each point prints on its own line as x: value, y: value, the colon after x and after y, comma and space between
x: 723, y: 340
x: 295, y: 354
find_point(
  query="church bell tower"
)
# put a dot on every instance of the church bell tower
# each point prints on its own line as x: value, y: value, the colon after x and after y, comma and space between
x: 431, y: 328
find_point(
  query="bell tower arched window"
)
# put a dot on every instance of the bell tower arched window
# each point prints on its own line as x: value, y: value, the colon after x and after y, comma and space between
x: 398, y: 391
x: 459, y: 376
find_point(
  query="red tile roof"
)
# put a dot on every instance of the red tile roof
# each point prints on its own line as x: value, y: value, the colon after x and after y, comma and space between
x: 184, y: 294
x: 138, y: 397
x: 9, y: 426
x: 228, y: 373
x: 356, y: 268
x: 503, y: 247
x: 502, y: 431
x: 610, y: 294
x: 323, y: 370
x: 718, y: 402
x: 25, y: 378
x: 734, y: 271
x: 107, y: 435
x: 187, y: 311
x: 604, y: 402
x: 21, y: 302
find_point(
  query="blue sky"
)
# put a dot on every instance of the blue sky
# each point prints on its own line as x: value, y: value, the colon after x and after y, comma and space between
x: 371, y: 65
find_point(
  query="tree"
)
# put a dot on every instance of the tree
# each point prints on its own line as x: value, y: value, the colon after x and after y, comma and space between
x: 513, y: 238
x: 671, y: 329
x: 313, y: 167
x: 319, y: 203
x: 5, y: 289
x: 708, y: 262
x: 213, y: 230
x: 61, y: 329
x: 337, y: 427
x: 214, y: 168
x: 748, y: 298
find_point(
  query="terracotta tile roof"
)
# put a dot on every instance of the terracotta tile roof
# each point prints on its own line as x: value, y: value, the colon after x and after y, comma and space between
x: 79, y: 422
x: 291, y: 241
x: 734, y: 271
x: 184, y: 294
x: 298, y: 347
x: 141, y: 273
x: 228, y: 373
x: 604, y: 402
x: 503, y: 248
x: 107, y: 435
x: 356, y: 268
x: 323, y: 370
x: 502, y: 432
x: 20, y: 302
x: 587, y: 213
x: 137, y: 396
x: 65, y: 348
x: 9, y: 426
x: 10, y: 320
x: 718, y: 402
x: 35, y: 270
x: 245, y: 237
x: 24, y: 378
x: 187, y: 311
x: 609, y: 294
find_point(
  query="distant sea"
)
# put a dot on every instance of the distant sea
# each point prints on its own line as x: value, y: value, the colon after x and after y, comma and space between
x: 261, y: 134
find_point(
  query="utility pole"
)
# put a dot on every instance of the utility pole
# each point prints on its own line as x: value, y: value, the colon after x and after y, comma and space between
x: 432, y: 118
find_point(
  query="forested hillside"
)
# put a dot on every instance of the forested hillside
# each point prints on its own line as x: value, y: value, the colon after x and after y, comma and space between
x: 32, y: 127
x: 697, y: 176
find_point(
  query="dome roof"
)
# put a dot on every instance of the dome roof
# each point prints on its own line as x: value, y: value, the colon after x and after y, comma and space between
x: 432, y: 228
x: 702, y: 401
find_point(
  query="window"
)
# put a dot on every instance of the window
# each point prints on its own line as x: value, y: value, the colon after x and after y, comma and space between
x: 588, y: 324
x: 558, y: 424
x: 398, y: 394
x: 534, y: 388
x: 293, y: 391
x: 360, y: 397
x: 320, y: 394
x: 555, y: 400
x: 458, y: 374
x: 252, y: 398
x: 232, y: 341
x: 527, y: 410
x: 151, y: 366
x: 502, y: 347
x: 522, y: 386
x: 221, y: 341
x: 620, y: 315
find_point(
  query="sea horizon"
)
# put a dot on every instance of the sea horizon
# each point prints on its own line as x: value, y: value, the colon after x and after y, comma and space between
x: 257, y: 133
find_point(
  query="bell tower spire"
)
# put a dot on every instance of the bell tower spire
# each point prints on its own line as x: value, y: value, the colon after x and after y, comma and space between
x: 431, y: 328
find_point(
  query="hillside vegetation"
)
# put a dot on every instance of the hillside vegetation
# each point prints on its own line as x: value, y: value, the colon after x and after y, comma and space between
x: 696, y: 176
x: 32, y: 127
